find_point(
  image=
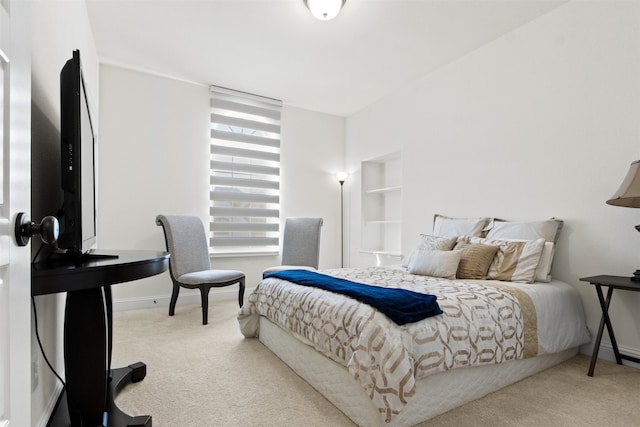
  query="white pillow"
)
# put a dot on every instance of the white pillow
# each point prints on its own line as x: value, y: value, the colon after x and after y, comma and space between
x: 548, y: 230
x: 435, y: 263
x: 543, y: 272
x: 450, y: 227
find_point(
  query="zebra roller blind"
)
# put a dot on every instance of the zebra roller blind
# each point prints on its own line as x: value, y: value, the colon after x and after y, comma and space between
x: 245, y: 172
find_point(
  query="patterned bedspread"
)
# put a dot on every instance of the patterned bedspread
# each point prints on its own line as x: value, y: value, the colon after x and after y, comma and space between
x: 482, y: 323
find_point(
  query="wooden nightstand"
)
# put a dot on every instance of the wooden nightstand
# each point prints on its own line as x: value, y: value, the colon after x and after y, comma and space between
x: 612, y: 282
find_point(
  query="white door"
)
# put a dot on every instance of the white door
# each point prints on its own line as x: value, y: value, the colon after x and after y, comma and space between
x: 15, y: 196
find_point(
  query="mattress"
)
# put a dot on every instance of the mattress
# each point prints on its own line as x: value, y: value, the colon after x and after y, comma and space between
x: 514, y: 338
x: 434, y: 395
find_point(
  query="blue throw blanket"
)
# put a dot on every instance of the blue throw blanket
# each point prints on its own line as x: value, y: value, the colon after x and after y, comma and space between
x: 400, y: 305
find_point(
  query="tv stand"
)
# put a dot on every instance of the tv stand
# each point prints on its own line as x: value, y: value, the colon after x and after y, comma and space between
x: 95, y: 255
x: 66, y: 256
x: 91, y: 384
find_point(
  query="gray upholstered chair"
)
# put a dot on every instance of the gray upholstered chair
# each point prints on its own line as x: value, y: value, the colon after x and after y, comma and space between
x: 189, y: 264
x: 300, y: 244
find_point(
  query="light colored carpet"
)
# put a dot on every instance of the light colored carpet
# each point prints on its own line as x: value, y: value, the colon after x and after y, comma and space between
x: 206, y: 376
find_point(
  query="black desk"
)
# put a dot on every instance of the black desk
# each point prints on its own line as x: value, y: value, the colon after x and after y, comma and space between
x: 91, y: 384
x: 612, y: 282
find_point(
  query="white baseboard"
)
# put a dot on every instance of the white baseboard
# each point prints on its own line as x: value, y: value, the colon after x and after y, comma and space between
x: 186, y: 297
x: 606, y: 353
x: 51, y: 405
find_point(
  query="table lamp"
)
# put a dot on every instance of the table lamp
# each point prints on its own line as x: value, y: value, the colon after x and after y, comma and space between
x: 628, y: 195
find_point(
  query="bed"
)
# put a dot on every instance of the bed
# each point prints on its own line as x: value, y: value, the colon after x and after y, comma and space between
x: 490, y: 333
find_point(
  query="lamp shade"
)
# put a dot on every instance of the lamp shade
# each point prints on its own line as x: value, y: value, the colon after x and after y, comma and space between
x: 342, y: 176
x: 628, y: 195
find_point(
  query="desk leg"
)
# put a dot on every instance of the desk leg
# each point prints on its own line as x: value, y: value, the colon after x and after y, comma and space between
x: 119, y: 378
x: 85, y: 361
x: 91, y: 386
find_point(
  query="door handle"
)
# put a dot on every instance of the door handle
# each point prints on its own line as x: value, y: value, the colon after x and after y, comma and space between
x: 48, y: 229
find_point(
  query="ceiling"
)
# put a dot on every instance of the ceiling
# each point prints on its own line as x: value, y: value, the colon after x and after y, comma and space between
x: 275, y: 48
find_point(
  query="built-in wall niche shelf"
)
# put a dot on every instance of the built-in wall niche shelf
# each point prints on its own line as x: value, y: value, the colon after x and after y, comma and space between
x: 385, y: 257
x: 384, y: 190
x: 384, y: 253
x: 381, y: 194
x: 384, y: 221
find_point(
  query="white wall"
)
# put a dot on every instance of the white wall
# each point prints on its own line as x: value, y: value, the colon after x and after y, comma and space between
x: 154, y: 158
x: 58, y: 28
x: 541, y: 122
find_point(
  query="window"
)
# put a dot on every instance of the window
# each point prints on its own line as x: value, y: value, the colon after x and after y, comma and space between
x: 245, y: 172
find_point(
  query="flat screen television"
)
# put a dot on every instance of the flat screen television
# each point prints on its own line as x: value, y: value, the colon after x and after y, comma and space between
x: 78, y: 214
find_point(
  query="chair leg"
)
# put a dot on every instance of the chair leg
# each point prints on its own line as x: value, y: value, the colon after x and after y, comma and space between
x: 174, y: 299
x: 204, y: 296
x: 241, y: 293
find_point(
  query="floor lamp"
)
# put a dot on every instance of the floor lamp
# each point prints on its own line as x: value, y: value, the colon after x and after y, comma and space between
x: 342, y: 177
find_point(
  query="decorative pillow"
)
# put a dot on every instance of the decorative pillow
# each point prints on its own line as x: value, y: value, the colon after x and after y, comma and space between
x: 436, y: 243
x: 549, y: 230
x: 435, y: 263
x: 543, y: 271
x: 448, y: 227
x: 431, y: 243
x: 475, y: 259
x: 515, y: 261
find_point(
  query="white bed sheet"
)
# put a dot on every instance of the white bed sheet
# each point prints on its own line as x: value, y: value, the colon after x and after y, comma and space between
x: 560, y: 326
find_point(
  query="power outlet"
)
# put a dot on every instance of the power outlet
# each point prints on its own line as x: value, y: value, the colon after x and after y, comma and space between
x: 35, y: 375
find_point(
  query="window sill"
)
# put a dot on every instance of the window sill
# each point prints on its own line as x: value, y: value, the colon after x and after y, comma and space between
x: 243, y: 254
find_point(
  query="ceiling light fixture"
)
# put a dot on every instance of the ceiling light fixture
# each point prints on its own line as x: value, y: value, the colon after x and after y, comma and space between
x: 324, y: 10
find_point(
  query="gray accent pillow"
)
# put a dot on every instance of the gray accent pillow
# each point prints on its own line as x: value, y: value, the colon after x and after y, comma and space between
x: 450, y: 227
x: 431, y: 243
